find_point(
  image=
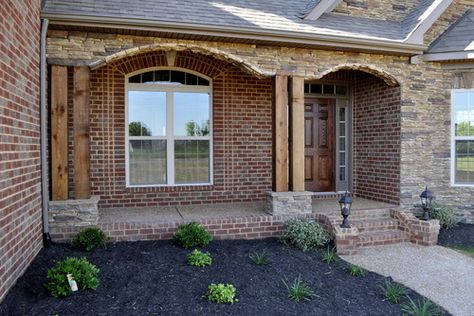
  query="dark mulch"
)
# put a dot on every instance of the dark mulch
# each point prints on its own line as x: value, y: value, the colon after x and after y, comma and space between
x: 140, y: 278
x: 460, y: 235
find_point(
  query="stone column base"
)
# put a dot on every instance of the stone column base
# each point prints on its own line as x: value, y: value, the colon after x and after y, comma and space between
x: 74, y: 213
x: 289, y: 203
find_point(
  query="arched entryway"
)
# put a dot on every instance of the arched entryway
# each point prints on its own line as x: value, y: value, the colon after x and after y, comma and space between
x: 352, y: 133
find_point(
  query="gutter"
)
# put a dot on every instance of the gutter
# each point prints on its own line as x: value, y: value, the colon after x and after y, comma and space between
x: 446, y: 56
x: 43, y: 136
x: 267, y: 35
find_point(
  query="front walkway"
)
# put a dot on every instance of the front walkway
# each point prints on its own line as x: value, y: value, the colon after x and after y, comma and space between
x: 441, y: 274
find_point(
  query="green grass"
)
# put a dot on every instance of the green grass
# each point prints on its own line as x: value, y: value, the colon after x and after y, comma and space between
x: 329, y: 255
x: 467, y: 250
x: 392, y: 291
x: 259, y: 258
x: 423, y: 307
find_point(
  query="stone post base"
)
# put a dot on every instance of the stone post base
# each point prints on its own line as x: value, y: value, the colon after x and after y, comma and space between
x: 289, y: 203
x: 74, y: 213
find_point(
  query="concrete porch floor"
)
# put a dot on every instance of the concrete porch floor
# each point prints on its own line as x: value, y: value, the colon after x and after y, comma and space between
x: 163, y: 214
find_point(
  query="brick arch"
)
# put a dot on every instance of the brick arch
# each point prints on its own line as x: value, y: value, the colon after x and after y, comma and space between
x: 389, y: 79
x: 209, y: 56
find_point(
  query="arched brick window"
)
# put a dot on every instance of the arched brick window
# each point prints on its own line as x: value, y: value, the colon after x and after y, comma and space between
x: 169, y: 128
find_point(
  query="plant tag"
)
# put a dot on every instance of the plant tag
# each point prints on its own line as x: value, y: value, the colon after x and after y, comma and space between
x: 72, y: 283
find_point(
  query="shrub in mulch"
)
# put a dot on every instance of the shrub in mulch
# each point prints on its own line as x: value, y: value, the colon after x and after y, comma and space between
x: 192, y: 235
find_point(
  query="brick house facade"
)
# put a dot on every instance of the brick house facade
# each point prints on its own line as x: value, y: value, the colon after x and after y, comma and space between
x: 20, y: 185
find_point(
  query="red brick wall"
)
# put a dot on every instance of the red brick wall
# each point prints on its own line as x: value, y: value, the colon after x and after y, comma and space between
x: 376, y: 138
x: 20, y: 190
x: 242, y: 118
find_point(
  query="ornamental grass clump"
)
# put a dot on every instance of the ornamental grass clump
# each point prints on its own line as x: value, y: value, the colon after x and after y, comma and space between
x: 192, y: 235
x: 89, y: 239
x: 299, y: 290
x: 222, y: 293
x: 82, y: 271
x: 446, y: 216
x: 423, y: 307
x: 356, y: 271
x: 393, y: 291
x: 259, y: 258
x: 199, y: 259
x: 329, y: 255
x: 305, y: 234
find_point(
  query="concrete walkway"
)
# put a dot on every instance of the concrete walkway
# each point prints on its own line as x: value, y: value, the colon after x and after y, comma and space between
x: 443, y: 275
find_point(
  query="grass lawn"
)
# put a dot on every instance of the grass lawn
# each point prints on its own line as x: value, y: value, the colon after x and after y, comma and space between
x: 154, y: 278
x: 467, y: 250
x: 460, y: 237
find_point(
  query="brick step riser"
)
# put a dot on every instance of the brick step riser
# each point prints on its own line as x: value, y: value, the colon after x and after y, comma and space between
x: 382, y: 242
x: 363, y: 229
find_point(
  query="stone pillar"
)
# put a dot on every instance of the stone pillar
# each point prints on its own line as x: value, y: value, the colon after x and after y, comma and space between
x: 74, y: 213
x: 289, y: 203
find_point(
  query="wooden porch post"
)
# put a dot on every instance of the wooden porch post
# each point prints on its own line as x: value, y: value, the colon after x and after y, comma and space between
x: 296, y: 87
x: 59, y: 146
x: 81, y: 132
x: 280, y: 133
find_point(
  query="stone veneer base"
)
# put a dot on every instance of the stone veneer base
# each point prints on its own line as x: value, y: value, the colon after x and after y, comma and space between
x: 73, y: 213
x: 289, y: 203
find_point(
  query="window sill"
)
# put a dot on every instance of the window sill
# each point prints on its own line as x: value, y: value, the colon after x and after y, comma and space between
x: 177, y: 188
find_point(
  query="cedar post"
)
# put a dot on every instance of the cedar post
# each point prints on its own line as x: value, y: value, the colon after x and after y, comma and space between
x: 59, y: 145
x: 280, y: 133
x: 296, y: 87
x: 81, y: 132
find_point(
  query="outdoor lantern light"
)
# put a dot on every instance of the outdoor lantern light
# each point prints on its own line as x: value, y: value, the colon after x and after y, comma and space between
x: 345, y: 203
x: 426, y: 199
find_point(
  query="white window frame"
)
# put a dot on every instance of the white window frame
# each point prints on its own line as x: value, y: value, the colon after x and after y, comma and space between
x: 454, y: 138
x: 169, y: 89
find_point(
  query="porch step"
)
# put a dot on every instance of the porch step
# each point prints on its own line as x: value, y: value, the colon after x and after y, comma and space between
x: 367, y: 225
x: 381, y: 237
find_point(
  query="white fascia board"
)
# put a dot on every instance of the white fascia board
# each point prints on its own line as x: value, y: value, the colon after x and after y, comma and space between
x: 426, y: 19
x: 449, y: 56
x: 324, y: 6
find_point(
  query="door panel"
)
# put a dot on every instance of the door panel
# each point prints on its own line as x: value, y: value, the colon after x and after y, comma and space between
x: 319, y: 144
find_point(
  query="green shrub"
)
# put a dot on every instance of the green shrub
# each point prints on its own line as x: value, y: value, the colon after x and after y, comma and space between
x: 192, y: 235
x: 304, y: 234
x: 329, y: 255
x: 221, y: 293
x: 259, y: 258
x: 420, y: 308
x: 199, y: 259
x: 393, y: 291
x: 89, y: 239
x: 356, y: 270
x: 83, y: 272
x: 298, y: 290
x: 445, y: 214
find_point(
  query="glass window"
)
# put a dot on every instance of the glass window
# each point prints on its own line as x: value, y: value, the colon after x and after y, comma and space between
x: 463, y: 142
x: 169, y: 129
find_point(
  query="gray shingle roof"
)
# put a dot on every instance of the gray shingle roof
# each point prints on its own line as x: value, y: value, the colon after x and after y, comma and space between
x: 279, y: 15
x: 459, y: 37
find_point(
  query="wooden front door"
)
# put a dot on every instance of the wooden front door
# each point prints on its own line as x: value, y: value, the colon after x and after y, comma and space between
x: 319, y: 144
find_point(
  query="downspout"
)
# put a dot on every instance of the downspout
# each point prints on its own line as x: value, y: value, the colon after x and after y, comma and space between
x: 43, y: 135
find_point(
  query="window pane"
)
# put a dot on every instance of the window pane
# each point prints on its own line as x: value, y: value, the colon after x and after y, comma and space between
x: 342, y: 173
x: 135, y: 79
x: 162, y: 76
x: 147, y: 162
x: 465, y: 161
x: 146, y: 113
x: 191, y: 80
x: 316, y: 88
x: 342, y: 129
x: 464, y: 113
x: 178, y: 77
x: 191, y: 114
x: 306, y: 88
x: 147, y: 77
x: 191, y: 161
x: 328, y: 89
x: 341, y: 90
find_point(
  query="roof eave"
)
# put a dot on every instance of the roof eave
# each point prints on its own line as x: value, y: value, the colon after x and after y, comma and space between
x: 449, y: 56
x: 316, y: 40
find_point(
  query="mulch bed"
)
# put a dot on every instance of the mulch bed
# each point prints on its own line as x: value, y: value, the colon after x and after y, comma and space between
x: 140, y: 278
x: 460, y: 235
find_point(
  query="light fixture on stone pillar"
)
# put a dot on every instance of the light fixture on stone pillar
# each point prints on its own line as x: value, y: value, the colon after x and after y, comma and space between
x: 345, y: 203
x: 426, y: 197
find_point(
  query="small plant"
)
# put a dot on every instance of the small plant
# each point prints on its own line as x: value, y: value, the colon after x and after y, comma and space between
x: 420, y: 308
x: 298, y: 290
x: 445, y: 214
x: 305, y: 234
x: 192, y: 235
x: 259, y: 258
x: 356, y: 270
x: 83, y: 272
x: 222, y: 293
x: 393, y: 291
x: 329, y: 255
x: 89, y: 239
x: 199, y: 259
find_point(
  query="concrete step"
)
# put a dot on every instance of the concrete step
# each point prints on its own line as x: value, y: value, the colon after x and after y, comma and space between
x: 381, y: 237
x: 377, y: 224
